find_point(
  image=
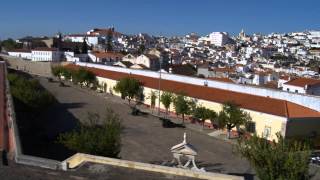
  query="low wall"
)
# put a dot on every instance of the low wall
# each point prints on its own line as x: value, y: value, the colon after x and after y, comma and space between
x: 36, y: 68
x: 15, y: 150
x: 79, y: 158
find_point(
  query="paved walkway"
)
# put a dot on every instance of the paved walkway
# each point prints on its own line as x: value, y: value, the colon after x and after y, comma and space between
x: 144, y: 139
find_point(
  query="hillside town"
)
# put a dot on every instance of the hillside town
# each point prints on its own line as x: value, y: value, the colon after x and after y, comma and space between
x: 287, y: 62
x: 223, y: 89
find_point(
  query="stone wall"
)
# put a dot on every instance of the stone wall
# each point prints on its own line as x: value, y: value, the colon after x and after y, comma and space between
x: 80, y: 158
x: 37, y: 68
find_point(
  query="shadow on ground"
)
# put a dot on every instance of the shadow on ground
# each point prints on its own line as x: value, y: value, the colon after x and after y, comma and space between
x: 39, y: 133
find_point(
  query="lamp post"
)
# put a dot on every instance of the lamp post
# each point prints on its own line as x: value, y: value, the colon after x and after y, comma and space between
x: 159, y: 86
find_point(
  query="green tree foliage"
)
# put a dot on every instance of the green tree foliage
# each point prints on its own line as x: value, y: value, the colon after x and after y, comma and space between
x: 204, y: 113
x: 29, y: 92
x: 109, y: 40
x: 59, y: 71
x: 182, y: 106
x: 84, y: 77
x: 282, y: 160
x: 141, y: 49
x: 166, y: 99
x: 153, y: 98
x: 10, y: 44
x: 232, y: 116
x: 84, y: 47
x: 128, y: 88
x: 94, y: 137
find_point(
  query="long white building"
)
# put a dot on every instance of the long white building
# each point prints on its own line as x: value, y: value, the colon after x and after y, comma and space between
x: 37, y: 54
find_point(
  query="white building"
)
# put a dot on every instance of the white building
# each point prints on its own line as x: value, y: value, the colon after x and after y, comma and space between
x: 20, y: 53
x: 149, y: 61
x: 219, y: 38
x: 46, y: 54
x: 91, y: 39
x: 303, y: 86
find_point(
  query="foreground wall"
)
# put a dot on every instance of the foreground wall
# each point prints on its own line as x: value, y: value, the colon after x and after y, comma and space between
x: 80, y: 158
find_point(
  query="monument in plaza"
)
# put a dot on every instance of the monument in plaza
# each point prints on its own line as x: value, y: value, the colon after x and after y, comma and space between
x: 184, y: 151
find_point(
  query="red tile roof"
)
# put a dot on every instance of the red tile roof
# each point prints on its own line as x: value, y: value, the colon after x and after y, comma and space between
x: 247, y: 101
x: 21, y: 50
x: 221, y: 79
x: 302, y: 82
x: 44, y: 49
x: 111, y: 55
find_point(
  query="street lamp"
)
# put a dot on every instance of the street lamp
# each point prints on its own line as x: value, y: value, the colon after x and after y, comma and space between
x: 159, y: 85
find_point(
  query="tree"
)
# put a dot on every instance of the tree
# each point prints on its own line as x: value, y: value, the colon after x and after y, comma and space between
x: 84, y: 47
x: 141, y: 49
x: 84, y: 76
x: 92, y: 138
x: 29, y: 92
x: 181, y: 105
x: 166, y: 99
x: 153, y: 98
x: 10, y: 44
x: 57, y: 71
x: 203, y: 113
x: 109, y: 40
x: 128, y: 88
x: 285, y: 159
x: 232, y: 116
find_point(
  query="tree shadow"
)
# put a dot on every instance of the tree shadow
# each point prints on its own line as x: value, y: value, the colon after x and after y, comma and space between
x: 39, y: 133
x: 247, y: 176
x: 210, y: 167
x: 167, y: 123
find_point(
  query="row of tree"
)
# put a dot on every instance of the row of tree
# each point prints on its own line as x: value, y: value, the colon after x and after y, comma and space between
x: 9, y: 44
x: 29, y: 93
x: 80, y: 76
x: 229, y: 117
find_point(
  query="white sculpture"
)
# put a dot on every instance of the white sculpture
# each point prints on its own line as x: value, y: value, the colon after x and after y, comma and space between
x: 186, y: 150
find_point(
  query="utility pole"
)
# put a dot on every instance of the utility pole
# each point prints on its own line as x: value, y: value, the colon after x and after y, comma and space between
x: 159, y: 86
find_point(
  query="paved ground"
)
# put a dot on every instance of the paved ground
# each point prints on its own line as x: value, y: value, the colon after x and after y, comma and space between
x: 144, y: 139
x: 87, y: 171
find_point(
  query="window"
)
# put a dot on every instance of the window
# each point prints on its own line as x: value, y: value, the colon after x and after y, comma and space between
x: 267, y: 132
x: 251, y: 127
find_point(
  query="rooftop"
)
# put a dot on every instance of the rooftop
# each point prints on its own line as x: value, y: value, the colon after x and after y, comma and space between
x: 302, y: 82
x: 44, y: 49
x: 247, y: 101
x: 20, y: 50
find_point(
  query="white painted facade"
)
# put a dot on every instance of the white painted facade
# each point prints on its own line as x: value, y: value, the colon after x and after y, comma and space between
x: 24, y: 55
x: 91, y: 39
x: 218, y: 38
x: 294, y: 89
x: 45, y: 55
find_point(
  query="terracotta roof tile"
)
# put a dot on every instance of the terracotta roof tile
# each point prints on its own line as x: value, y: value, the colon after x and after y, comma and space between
x: 302, y: 82
x: 44, y: 49
x: 112, y: 55
x: 247, y: 101
x: 21, y: 50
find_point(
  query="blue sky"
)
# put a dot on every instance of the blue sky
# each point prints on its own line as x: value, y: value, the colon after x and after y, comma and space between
x: 166, y: 17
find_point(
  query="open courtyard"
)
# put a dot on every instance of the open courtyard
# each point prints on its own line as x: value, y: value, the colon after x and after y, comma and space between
x: 144, y: 139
